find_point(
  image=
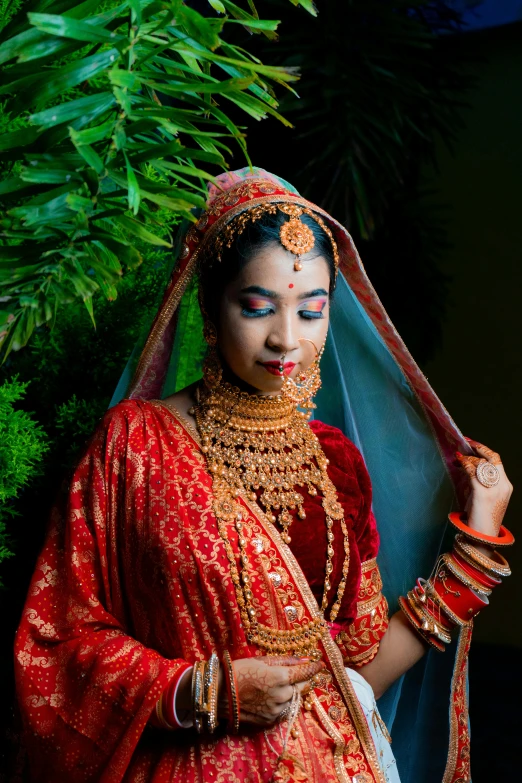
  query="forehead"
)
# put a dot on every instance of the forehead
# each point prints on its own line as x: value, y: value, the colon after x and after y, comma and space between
x: 273, y: 267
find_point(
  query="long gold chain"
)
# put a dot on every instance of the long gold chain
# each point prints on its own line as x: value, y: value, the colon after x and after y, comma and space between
x: 264, y: 445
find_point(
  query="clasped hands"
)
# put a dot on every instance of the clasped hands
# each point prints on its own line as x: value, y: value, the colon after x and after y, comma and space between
x: 265, y: 686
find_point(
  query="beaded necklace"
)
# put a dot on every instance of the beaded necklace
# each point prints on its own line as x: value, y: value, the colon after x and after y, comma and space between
x: 264, y: 444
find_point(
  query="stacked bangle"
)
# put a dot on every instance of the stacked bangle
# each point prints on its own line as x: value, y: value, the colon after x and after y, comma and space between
x: 459, y: 586
x: 233, y: 700
x: 205, y: 694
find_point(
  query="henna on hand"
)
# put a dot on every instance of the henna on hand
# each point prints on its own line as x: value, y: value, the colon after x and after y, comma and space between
x: 487, y: 505
x: 265, y: 688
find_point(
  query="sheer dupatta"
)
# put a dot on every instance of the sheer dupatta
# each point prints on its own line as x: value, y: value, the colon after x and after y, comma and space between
x: 375, y: 393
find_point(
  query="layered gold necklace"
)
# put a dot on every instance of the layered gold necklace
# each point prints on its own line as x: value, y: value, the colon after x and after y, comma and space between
x: 264, y: 447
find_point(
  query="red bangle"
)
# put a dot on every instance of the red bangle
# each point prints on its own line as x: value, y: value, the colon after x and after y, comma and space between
x: 504, y: 538
x: 461, y: 600
x: 475, y: 573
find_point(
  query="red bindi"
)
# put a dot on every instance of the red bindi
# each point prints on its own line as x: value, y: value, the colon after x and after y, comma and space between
x: 290, y: 285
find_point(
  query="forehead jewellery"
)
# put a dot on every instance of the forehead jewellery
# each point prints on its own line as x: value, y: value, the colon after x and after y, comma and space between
x: 294, y: 235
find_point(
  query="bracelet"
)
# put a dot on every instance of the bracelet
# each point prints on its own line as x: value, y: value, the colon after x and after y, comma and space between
x: 428, y: 621
x: 504, y: 538
x: 498, y: 567
x: 233, y: 699
x: 408, y: 612
x: 211, y: 693
x: 475, y: 573
x: 435, y: 598
x: 466, y: 579
x: 463, y: 601
x: 197, y: 695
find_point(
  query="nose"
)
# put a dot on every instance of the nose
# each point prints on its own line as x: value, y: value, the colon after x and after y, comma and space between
x: 284, y: 333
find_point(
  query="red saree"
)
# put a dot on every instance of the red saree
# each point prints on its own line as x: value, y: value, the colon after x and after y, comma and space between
x: 133, y: 585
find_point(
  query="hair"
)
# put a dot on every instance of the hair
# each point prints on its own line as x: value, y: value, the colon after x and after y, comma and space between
x: 215, y: 275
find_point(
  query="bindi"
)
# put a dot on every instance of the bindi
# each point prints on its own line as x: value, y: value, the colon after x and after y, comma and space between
x: 290, y: 285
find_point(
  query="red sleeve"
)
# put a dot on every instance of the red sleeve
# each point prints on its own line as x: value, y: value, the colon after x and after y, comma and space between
x: 86, y: 688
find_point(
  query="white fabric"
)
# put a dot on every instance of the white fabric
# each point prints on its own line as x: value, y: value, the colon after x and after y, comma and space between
x: 364, y: 692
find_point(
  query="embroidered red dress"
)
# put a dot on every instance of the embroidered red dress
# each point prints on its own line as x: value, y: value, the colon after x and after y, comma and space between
x: 133, y: 586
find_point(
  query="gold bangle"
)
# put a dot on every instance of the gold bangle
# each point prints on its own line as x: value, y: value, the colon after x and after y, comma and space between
x: 232, y: 690
x: 481, y: 561
x: 197, y: 694
x: 463, y: 577
x: 429, y: 623
x: 211, y: 693
x: 427, y: 638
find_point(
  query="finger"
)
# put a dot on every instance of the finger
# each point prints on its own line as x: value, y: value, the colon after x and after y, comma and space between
x: 284, y: 660
x: 485, y: 452
x: 488, y: 454
x: 468, y: 463
x: 304, y: 671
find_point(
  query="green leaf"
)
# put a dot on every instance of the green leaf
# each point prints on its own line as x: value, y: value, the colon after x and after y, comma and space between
x: 133, y: 187
x: 49, y: 176
x: 65, y: 27
x: 137, y: 229
x: 91, y: 157
x: 218, y: 6
x: 205, y: 88
x: 46, y: 86
x: 197, y: 26
x: 66, y: 112
x: 19, y: 138
x: 257, y: 24
x: 93, y: 135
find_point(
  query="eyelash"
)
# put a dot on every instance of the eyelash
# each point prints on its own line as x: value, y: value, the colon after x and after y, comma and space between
x: 308, y: 315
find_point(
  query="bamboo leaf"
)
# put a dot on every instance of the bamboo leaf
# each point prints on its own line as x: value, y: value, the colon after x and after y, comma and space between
x: 65, y: 27
x: 66, y: 112
x: 137, y: 229
x: 218, y: 6
x: 133, y: 188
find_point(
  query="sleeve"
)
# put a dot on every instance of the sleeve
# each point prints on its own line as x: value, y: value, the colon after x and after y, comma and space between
x: 85, y: 687
x: 359, y: 643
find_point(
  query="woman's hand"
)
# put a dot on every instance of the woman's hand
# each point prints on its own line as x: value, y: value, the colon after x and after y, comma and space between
x: 487, y: 505
x: 265, y: 686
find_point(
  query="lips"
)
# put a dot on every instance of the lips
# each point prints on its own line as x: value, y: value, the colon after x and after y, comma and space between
x: 273, y: 367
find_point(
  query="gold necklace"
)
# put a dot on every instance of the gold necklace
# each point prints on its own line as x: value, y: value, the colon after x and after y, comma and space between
x: 265, y: 444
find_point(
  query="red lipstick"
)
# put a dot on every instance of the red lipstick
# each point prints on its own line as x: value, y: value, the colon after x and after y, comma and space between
x: 274, y: 367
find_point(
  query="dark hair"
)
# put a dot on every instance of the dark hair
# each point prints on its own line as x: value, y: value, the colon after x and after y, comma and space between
x: 215, y: 275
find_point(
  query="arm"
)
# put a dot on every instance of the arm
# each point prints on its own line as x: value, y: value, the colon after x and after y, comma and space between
x: 401, y: 647
x: 86, y: 688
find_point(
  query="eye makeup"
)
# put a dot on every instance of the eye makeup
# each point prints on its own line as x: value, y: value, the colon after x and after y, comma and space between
x: 313, y: 308
x: 255, y: 307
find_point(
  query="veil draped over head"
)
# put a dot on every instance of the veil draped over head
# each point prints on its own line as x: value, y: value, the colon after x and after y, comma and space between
x: 375, y: 393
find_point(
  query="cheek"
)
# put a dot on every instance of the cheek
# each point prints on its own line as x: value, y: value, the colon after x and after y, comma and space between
x: 239, y: 337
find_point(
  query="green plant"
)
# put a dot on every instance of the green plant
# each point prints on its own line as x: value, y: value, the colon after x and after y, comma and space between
x: 22, y: 446
x: 115, y: 117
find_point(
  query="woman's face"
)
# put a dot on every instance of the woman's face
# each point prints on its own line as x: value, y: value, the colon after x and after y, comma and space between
x: 267, y: 311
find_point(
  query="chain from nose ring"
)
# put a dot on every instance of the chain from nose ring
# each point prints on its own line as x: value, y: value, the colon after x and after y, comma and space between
x: 281, y: 367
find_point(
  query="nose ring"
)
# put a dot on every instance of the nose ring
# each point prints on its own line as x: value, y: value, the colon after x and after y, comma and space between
x: 307, y: 340
x: 281, y: 367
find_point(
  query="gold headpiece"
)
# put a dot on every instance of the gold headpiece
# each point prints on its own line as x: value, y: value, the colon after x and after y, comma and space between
x: 294, y: 235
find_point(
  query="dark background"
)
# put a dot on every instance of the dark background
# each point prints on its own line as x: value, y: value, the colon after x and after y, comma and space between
x: 441, y: 242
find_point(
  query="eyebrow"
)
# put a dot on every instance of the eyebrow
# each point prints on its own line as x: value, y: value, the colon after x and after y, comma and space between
x: 255, y: 289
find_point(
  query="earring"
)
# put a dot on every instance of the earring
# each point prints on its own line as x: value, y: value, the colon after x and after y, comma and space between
x: 307, y: 383
x: 212, y: 369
